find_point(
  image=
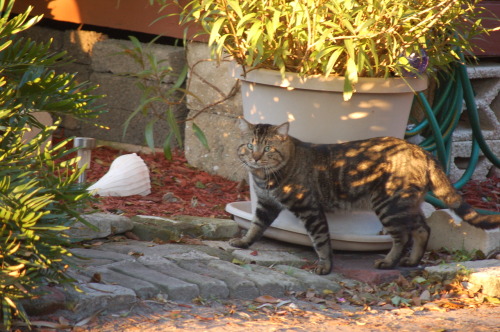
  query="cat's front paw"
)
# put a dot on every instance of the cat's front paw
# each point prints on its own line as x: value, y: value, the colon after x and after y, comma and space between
x: 384, y: 264
x: 407, y: 261
x: 238, y: 243
x: 323, y: 267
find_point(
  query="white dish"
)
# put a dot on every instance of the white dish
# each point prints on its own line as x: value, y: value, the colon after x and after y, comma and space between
x: 357, y: 231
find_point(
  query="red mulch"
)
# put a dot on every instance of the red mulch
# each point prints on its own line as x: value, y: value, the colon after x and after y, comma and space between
x: 483, y: 194
x: 190, y: 191
x: 176, y: 188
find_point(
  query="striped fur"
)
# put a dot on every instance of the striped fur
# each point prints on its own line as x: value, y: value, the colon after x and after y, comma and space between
x: 385, y: 174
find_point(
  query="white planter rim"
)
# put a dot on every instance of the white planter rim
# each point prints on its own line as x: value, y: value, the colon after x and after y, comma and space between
x: 332, y: 83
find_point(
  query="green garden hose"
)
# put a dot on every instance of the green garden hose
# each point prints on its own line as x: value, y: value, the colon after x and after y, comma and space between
x: 441, y: 119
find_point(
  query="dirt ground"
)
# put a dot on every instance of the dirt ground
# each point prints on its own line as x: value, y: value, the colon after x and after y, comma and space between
x: 293, y: 315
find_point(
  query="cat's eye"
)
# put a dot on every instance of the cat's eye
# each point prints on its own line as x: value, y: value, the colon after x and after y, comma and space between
x: 250, y: 146
x: 267, y: 148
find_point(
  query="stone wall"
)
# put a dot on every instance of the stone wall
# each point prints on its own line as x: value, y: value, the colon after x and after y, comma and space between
x: 97, y: 59
x: 215, y: 105
x: 485, y: 80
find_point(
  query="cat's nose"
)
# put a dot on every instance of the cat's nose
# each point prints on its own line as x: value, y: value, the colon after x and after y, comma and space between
x: 257, y: 156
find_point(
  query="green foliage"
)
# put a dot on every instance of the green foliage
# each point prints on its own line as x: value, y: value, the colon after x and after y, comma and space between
x: 156, y: 95
x: 335, y: 37
x: 39, y: 194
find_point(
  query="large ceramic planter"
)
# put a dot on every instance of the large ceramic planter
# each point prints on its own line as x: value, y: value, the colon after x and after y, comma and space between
x: 318, y: 114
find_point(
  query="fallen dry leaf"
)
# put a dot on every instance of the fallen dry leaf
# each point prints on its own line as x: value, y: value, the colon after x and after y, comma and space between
x: 267, y: 299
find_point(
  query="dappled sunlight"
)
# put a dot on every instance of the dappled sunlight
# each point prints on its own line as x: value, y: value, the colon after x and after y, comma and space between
x: 379, y: 104
x: 378, y: 129
x: 358, y: 115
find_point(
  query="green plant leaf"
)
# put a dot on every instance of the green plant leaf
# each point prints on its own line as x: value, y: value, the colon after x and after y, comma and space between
x: 200, y: 135
x: 167, y: 147
x: 149, y: 134
x: 351, y: 78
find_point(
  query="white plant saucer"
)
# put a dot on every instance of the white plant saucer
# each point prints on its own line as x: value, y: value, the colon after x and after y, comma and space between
x: 356, y: 231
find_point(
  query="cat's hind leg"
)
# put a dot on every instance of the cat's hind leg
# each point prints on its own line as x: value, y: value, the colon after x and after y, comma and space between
x: 420, y: 235
x: 403, y: 220
x: 400, y: 237
x: 265, y: 214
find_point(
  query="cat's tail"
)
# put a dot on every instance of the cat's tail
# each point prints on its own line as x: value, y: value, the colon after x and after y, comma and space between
x: 445, y: 191
x: 484, y: 221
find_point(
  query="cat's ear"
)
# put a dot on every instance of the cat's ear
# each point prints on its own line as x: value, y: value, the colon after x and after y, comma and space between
x: 282, y: 129
x: 244, y: 125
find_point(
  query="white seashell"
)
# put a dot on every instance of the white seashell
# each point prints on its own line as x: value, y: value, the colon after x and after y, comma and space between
x: 128, y: 175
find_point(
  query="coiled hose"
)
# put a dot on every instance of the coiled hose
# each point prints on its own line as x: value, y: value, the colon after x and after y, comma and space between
x: 441, y: 119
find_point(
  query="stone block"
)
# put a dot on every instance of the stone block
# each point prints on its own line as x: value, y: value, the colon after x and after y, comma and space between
x: 121, y: 92
x: 211, y: 228
x: 485, y: 81
x: 52, y: 298
x: 210, y: 83
x: 239, y: 288
x: 143, y: 289
x: 310, y: 279
x: 448, y: 231
x: 106, y: 224
x: 80, y: 44
x: 265, y: 282
x: 95, y: 298
x: 223, y: 136
x: 123, y: 97
x: 173, y: 252
x: 460, y: 157
x: 268, y: 258
x: 176, y: 289
x: 484, y: 274
x: 209, y: 287
x: 149, y: 228
x: 89, y: 257
x: 107, y: 56
x: 288, y: 282
x: 43, y: 34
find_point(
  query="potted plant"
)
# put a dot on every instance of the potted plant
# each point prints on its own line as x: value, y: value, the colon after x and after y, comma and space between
x: 341, y: 61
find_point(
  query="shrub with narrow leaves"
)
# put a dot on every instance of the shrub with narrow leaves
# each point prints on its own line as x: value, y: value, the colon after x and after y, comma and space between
x: 39, y: 193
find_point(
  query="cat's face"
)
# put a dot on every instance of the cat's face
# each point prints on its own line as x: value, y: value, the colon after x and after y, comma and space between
x: 264, y: 146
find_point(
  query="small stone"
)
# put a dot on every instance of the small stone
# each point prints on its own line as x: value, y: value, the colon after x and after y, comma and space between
x: 105, y: 224
x: 170, y: 198
x: 434, y: 307
x: 425, y: 296
x: 470, y: 286
x: 497, y: 256
x: 403, y: 312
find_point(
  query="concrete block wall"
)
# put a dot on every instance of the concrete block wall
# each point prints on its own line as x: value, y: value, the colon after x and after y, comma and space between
x: 97, y: 59
x: 485, y: 80
x: 215, y: 105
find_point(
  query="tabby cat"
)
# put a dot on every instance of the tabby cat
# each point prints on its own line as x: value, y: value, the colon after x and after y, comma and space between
x: 385, y: 174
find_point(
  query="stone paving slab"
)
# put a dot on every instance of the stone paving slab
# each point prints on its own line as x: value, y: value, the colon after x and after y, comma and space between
x: 483, y: 274
x: 266, y: 283
x: 95, y: 297
x: 176, y: 289
x: 142, y: 288
x: 239, y: 288
x: 176, y: 252
x: 129, y: 270
x: 209, y: 287
x: 313, y: 281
